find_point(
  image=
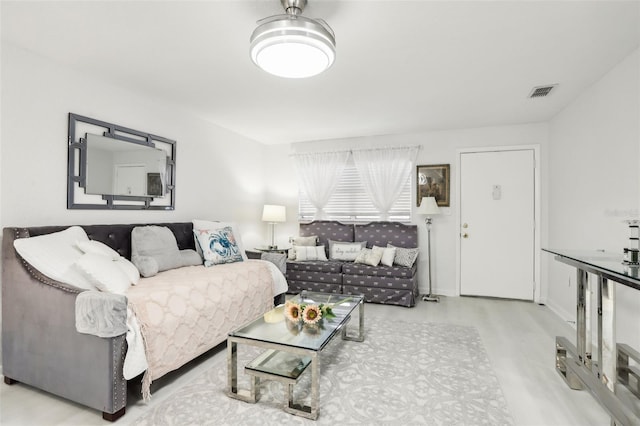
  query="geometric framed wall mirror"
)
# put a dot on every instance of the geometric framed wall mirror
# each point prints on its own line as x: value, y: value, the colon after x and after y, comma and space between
x: 114, y: 167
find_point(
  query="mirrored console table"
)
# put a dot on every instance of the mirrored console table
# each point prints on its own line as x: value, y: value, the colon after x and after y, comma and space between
x: 613, y: 378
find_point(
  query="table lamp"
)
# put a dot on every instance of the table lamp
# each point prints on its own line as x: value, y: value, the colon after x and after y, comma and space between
x: 429, y: 207
x: 273, y: 214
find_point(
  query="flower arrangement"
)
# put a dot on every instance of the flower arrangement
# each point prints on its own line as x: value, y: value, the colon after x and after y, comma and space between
x: 309, y: 314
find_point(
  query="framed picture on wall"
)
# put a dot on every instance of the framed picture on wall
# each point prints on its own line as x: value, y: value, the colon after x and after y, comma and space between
x: 433, y: 180
x: 154, y: 185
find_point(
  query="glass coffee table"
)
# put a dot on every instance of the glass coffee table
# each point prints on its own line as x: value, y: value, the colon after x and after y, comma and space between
x: 291, y: 348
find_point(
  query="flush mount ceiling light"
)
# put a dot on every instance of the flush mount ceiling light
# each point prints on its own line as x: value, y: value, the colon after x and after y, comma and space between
x: 291, y: 45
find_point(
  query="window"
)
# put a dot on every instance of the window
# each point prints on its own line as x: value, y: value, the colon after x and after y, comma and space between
x: 350, y: 203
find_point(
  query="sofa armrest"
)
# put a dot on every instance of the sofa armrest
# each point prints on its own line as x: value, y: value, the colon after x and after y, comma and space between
x: 40, y: 344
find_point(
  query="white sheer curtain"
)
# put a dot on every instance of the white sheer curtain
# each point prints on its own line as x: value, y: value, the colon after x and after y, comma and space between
x: 318, y: 174
x: 383, y: 172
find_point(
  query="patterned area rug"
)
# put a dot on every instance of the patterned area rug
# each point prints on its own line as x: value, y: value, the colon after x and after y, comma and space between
x: 403, y: 373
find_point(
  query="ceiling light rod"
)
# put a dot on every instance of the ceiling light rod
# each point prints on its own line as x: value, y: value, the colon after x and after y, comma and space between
x: 293, y: 7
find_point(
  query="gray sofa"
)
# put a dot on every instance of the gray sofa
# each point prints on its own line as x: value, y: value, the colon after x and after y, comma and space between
x: 396, y: 285
x: 40, y: 344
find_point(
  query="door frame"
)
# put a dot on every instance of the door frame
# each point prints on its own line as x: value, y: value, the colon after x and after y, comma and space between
x: 537, y: 293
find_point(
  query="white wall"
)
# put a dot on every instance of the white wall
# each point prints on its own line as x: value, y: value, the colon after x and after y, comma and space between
x: 218, y: 173
x: 595, y: 184
x: 437, y: 148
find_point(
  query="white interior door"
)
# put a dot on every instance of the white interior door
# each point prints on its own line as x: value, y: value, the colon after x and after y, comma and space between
x: 497, y: 224
x: 129, y: 179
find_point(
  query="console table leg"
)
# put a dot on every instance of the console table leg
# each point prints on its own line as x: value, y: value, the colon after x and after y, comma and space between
x: 607, y: 352
x: 583, y: 319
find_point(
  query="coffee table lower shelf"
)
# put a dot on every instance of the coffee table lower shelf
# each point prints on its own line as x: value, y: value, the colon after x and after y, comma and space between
x: 285, y: 368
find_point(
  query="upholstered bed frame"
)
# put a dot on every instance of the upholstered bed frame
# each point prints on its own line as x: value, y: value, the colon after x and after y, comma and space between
x: 40, y: 344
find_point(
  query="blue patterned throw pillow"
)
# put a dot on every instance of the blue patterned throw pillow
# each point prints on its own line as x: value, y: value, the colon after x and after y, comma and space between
x: 218, y: 246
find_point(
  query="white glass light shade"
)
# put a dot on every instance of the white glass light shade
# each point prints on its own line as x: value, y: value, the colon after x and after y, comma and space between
x: 293, y: 46
x: 428, y: 206
x: 272, y: 213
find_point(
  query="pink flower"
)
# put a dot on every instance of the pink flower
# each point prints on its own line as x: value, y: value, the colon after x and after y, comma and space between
x: 292, y: 311
x: 311, y: 314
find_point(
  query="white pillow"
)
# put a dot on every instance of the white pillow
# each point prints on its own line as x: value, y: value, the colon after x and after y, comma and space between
x: 345, y: 251
x: 55, y: 254
x: 388, y: 255
x: 203, y: 225
x: 301, y: 241
x: 104, y: 273
x: 310, y: 253
x: 97, y: 247
x: 370, y: 256
x: 129, y: 270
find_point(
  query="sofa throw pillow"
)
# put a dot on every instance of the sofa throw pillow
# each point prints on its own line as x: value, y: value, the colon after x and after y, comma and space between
x: 405, y: 256
x: 310, y: 253
x: 218, y: 246
x: 104, y: 273
x: 54, y: 255
x: 99, y: 248
x: 278, y: 259
x: 199, y: 225
x: 157, y: 242
x: 370, y: 256
x: 311, y: 240
x: 190, y: 257
x: 388, y: 255
x: 346, y: 251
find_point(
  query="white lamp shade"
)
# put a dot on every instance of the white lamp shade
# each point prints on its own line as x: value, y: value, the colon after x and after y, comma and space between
x: 428, y: 206
x: 273, y: 213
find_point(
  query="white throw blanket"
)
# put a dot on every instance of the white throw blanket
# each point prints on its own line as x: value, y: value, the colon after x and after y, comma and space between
x: 181, y: 313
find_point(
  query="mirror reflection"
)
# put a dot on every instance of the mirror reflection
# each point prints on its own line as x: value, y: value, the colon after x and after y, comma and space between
x: 116, y: 167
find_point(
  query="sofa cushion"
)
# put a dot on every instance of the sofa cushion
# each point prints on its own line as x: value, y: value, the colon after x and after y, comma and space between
x: 158, y: 243
x: 104, y: 273
x: 315, y: 276
x: 370, y: 256
x: 301, y: 241
x: 200, y: 225
x: 326, y: 230
x: 405, y: 256
x: 54, y: 255
x: 218, y: 246
x: 383, y: 233
x: 388, y: 255
x: 316, y: 253
x: 378, y: 271
x: 379, y: 282
x: 347, y: 251
x: 315, y: 266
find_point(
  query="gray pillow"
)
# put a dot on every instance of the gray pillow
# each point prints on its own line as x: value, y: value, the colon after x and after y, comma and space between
x: 190, y: 257
x: 405, y: 256
x: 157, y: 243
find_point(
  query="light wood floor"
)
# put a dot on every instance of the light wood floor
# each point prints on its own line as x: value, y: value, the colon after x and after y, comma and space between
x: 519, y: 338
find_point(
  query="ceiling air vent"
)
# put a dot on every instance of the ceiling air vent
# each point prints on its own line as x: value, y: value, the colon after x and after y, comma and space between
x: 541, y: 91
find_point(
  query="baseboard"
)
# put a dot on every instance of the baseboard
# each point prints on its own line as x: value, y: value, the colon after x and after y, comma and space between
x: 563, y: 314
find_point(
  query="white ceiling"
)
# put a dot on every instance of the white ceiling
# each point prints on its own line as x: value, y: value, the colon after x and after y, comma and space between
x: 401, y: 66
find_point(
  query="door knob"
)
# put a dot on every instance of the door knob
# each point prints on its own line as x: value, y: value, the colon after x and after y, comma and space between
x: 465, y: 235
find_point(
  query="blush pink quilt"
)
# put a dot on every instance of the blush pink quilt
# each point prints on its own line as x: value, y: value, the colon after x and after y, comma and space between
x: 185, y: 312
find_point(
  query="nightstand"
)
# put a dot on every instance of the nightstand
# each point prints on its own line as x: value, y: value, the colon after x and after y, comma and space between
x: 266, y: 249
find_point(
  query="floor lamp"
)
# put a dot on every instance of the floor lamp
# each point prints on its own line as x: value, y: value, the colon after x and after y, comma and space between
x: 429, y: 207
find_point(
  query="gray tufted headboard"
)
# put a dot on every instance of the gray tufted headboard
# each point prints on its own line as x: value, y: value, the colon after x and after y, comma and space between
x: 118, y: 237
